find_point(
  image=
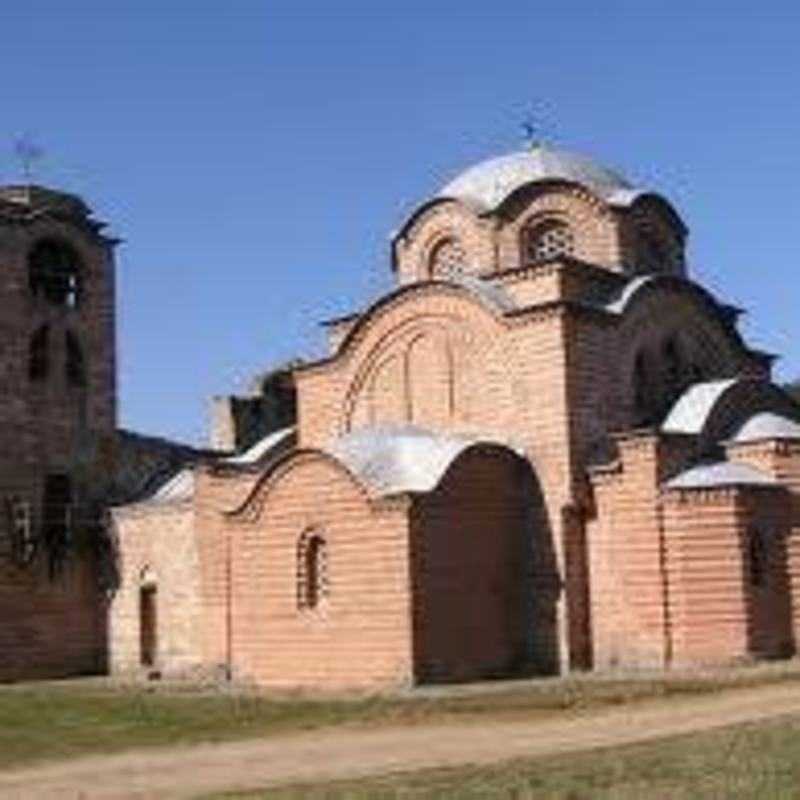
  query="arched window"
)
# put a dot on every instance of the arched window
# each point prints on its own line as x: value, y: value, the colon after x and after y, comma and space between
x: 673, y: 365
x: 54, y: 272
x: 312, y: 571
x: 658, y: 252
x: 75, y: 365
x: 22, y: 536
x: 148, y: 618
x: 757, y: 557
x: 57, y: 519
x: 446, y: 257
x: 546, y: 240
x: 641, y: 390
x: 653, y: 256
x: 39, y: 354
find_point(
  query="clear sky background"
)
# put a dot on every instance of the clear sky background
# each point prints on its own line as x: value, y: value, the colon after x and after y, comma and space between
x: 256, y: 154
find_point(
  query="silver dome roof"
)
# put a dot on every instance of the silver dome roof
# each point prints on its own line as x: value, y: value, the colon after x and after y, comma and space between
x: 486, y: 185
x: 723, y: 473
x: 768, y: 426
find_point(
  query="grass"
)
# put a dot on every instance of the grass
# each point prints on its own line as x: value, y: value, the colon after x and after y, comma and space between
x: 757, y: 762
x: 71, y: 718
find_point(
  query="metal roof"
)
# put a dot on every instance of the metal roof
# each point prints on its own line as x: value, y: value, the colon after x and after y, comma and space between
x: 767, y: 426
x: 693, y: 408
x: 262, y: 448
x: 489, y: 293
x: 486, y: 185
x: 177, y: 489
x: 723, y: 473
x: 398, y: 459
x: 620, y: 303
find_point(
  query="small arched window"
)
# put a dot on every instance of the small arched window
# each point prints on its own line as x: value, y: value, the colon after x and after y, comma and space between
x: 757, y: 557
x: 148, y: 618
x: 546, y: 240
x: 446, y: 258
x: 39, y: 354
x: 54, y: 273
x: 641, y: 390
x: 672, y: 364
x: 653, y: 256
x: 312, y: 571
x: 75, y: 364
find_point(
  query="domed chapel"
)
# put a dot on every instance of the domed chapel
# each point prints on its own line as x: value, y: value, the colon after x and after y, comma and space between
x: 546, y: 449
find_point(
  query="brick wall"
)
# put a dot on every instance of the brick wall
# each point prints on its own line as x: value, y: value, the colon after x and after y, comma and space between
x: 49, y: 425
x: 50, y: 628
x: 360, y: 633
x: 618, y: 239
x: 718, y: 613
x: 781, y: 460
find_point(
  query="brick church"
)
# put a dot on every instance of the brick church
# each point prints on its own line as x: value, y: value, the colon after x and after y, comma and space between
x: 546, y: 449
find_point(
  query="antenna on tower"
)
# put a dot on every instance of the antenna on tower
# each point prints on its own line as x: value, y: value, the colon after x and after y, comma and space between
x: 28, y: 153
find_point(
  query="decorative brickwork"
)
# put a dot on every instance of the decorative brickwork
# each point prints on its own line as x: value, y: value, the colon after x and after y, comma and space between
x: 523, y: 460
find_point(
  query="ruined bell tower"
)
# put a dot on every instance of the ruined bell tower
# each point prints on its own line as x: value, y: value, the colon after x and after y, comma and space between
x: 57, y: 423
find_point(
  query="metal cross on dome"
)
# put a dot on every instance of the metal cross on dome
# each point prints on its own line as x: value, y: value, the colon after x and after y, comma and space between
x: 28, y: 153
x: 530, y: 129
x: 536, y: 125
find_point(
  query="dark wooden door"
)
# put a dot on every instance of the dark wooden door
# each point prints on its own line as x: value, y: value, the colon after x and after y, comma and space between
x: 148, y: 625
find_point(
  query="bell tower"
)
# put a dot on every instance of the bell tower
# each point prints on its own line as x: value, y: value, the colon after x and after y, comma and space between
x: 57, y: 422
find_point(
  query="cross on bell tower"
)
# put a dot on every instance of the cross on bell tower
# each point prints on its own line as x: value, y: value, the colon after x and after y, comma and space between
x: 28, y: 153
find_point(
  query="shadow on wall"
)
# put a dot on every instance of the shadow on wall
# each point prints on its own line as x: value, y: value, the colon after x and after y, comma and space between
x: 767, y: 583
x: 484, y: 576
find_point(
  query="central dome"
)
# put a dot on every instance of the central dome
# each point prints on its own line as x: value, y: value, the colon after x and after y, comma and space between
x: 486, y: 185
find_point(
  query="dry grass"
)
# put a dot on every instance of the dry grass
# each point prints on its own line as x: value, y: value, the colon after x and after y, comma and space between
x: 756, y: 762
x: 66, y: 719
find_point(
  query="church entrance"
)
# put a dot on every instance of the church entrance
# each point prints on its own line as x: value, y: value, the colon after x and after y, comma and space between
x: 476, y: 554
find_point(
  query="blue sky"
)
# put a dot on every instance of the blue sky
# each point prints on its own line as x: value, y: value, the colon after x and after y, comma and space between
x: 255, y: 154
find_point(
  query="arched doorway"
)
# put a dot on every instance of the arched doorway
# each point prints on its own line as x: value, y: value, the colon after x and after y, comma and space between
x: 484, y: 575
x: 148, y: 619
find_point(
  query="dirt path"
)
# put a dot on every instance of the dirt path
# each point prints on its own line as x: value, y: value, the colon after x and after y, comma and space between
x: 182, y: 772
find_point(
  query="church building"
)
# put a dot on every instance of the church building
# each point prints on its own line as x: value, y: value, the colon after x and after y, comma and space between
x: 545, y: 449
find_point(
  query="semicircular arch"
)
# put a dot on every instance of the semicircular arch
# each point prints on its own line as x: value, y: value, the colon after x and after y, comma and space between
x: 250, y: 509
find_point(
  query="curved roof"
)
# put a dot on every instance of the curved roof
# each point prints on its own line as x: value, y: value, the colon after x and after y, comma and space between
x: 486, y: 185
x: 398, y: 459
x: 767, y: 426
x: 756, y: 400
x: 637, y: 286
x: 264, y: 447
x: 723, y: 473
x: 177, y: 489
x: 490, y: 295
x: 694, y: 406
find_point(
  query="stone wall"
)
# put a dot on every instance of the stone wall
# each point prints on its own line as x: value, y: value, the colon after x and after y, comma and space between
x: 159, y: 554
